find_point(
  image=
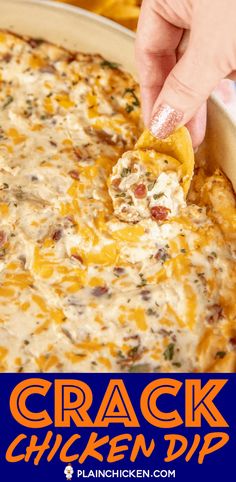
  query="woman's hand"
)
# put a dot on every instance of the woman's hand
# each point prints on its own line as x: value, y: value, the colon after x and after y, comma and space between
x: 183, y: 49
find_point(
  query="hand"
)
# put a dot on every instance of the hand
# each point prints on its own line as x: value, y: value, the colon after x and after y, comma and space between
x: 183, y: 49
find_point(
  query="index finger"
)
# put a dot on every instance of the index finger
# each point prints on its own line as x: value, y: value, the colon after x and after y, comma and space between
x: 155, y: 47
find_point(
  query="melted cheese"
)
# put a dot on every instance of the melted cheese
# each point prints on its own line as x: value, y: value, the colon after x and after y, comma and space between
x: 81, y: 290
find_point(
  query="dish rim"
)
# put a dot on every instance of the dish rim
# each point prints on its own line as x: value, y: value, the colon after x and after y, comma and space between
x: 77, y: 11
x: 94, y: 17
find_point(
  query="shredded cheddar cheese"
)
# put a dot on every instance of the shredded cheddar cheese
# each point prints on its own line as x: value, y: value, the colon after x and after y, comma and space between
x: 80, y: 288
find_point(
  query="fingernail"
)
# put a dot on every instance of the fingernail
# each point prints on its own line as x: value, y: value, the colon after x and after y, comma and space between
x: 165, y: 121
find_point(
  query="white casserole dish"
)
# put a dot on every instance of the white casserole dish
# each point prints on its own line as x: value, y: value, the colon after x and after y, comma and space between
x: 77, y: 29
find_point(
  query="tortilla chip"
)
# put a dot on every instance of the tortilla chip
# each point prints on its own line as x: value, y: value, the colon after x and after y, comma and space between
x: 125, y: 12
x: 96, y: 6
x: 133, y: 189
x: 154, y: 156
x: 156, y: 162
x: 177, y: 145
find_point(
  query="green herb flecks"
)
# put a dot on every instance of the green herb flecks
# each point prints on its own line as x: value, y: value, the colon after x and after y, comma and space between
x: 8, y: 101
x: 129, y: 108
x: 169, y: 352
x: 143, y: 281
x: 125, y: 171
x: 151, y: 185
x: 135, y: 101
x: 106, y: 64
x: 151, y: 312
x: 140, y: 368
x: 176, y: 364
x: 121, y: 194
x: 220, y: 354
x: 158, y: 195
x: 132, y: 353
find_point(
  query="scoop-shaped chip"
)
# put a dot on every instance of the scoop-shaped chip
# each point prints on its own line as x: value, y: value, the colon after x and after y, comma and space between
x: 153, y: 179
x: 145, y: 184
x: 177, y: 145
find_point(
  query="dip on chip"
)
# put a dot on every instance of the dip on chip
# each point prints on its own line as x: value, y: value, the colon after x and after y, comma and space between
x: 82, y: 289
x: 147, y: 182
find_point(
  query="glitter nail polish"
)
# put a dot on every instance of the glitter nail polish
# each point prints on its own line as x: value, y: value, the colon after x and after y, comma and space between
x: 165, y: 121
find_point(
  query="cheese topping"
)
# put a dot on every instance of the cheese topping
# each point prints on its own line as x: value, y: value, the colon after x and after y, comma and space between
x: 144, y: 184
x: 81, y: 289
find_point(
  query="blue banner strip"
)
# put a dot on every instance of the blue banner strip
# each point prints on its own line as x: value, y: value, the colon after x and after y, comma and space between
x: 117, y: 426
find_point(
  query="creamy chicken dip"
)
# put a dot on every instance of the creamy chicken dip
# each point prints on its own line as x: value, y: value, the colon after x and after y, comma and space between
x: 82, y: 289
x: 144, y: 184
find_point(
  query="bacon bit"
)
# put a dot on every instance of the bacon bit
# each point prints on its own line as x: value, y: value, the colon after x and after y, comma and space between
x: 105, y: 137
x: 140, y: 191
x: 74, y: 175
x: 210, y: 258
x: 116, y: 183
x: 7, y: 57
x: 57, y: 235
x: 3, y: 238
x: 78, y: 153
x: 100, y: 291
x: 72, y: 57
x: 233, y: 341
x: 77, y: 257
x: 54, y: 144
x: 118, y: 270
x: 100, y: 135
x: 159, y: 213
x: 145, y: 295
x: 216, y: 315
x: 48, y: 69
x: 132, y: 337
x: 161, y: 255
x: 70, y: 219
x: 22, y: 259
x: 35, y: 42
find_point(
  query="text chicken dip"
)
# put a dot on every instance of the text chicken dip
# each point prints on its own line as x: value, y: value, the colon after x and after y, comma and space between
x: 104, y: 266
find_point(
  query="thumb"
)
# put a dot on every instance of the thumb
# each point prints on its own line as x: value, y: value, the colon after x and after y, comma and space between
x: 186, y: 88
